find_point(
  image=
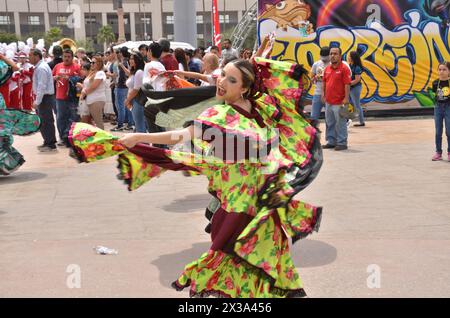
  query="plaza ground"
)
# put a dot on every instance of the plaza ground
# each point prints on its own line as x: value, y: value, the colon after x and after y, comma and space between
x: 385, y: 204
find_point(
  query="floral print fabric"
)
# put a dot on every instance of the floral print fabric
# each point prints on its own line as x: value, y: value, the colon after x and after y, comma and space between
x: 260, y: 265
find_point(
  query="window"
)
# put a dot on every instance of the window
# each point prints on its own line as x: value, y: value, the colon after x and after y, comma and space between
x: 200, y: 36
x: 61, y: 20
x: 34, y: 20
x: 199, y: 19
x: 170, y: 37
x: 146, y: 20
x: 90, y: 20
x: 224, y: 18
x: 5, y: 19
x: 169, y: 19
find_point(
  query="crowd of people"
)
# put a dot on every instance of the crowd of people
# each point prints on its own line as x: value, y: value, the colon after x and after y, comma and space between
x: 67, y: 87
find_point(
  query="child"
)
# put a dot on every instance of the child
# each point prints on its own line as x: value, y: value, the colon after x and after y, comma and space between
x: 441, y: 88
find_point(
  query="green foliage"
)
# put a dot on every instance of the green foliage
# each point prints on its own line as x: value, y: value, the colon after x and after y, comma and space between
x: 53, y: 35
x: 8, y: 37
x: 106, y: 35
x: 87, y: 44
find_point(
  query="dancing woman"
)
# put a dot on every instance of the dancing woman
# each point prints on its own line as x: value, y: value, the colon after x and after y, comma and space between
x: 274, y: 153
x: 12, y: 122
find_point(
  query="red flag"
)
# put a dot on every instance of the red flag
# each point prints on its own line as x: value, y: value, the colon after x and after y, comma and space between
x: 217, y: 39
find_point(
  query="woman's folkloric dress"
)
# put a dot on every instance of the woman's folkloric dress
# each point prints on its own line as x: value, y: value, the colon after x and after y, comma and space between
x: 12, y: 122
x: 255, y: 163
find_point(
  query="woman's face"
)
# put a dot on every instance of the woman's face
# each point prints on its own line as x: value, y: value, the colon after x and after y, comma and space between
x: 132, y: 61
x: 443, y: 72
x: 97, y: 63
x: 229, y: 84
x: 84, y: 72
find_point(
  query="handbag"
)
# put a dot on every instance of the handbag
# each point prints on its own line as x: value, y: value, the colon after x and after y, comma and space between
x: 347, y: 111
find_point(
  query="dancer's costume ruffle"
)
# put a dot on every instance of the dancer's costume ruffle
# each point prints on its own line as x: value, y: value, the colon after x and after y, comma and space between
x: 255, y: 212
x: 12, y: 122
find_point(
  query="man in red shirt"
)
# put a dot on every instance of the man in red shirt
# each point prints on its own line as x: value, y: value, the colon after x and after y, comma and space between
x: 336, y: 90
x: 167, y: 59
x: 66, y: 109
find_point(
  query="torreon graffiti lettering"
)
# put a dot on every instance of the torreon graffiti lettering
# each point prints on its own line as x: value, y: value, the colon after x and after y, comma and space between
x: 398, y: 63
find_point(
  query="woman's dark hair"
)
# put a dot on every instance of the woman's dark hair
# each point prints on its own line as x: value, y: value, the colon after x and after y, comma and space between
x: 139, y: 63
x: 446, y: 64
x: 86, y: 66
x: 356, y: 59
x: 156, y: 50
x: 247, y: 72
x: 180, y: 55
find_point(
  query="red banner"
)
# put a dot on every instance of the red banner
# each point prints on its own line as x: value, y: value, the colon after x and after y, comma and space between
x: 217, y: 39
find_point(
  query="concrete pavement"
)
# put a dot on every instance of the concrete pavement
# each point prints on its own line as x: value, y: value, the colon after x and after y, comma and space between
x: 386, y: 207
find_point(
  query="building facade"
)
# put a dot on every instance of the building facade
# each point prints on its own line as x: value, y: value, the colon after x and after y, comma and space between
x: 144, y: 19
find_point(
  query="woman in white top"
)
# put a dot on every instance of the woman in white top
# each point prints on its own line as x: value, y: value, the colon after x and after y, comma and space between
x: 134, y: 84
x: 211, y: 71
x: 94, y: 90
x: 154, y: 68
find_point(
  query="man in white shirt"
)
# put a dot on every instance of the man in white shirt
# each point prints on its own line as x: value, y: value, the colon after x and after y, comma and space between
x: 44, y: 91
x: 228, y: 51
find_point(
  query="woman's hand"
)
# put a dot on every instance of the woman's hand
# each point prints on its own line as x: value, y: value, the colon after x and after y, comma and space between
x: 79, y: 86
x: 128, y: 104
x: 129, y: 140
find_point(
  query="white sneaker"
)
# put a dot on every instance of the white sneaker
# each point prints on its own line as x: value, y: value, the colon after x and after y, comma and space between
x: 349, y: 123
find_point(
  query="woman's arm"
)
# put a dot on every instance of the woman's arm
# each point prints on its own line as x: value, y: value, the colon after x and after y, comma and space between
x: 165, y: 138
x: 125, y: 69
x: 194, y: 75
x: 132, y: 93
x: 356, y: 81
x: 13, y: 65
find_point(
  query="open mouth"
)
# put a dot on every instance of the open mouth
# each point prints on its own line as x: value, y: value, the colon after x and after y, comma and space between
x: 221, y: 91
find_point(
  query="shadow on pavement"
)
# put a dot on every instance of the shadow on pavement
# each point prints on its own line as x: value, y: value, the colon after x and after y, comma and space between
x: 306, y: 253
x: 309, y: 253
x: 171, y: 266
x: 190, y: 203
x: 20, y: 177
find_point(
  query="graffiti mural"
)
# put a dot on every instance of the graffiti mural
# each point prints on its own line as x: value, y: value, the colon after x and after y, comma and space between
x: 401, y: 45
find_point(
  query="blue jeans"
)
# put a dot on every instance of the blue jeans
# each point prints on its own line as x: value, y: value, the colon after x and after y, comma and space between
x: 124, y: 113
x: 66, y: 114
x: 441, y: 115
x: 139, y: 117
x: 317, y: 106
x: 337, y: 133
x: 355, y: 100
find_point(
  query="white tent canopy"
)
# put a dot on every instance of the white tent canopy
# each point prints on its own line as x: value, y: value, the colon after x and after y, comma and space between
x: 134, y: 45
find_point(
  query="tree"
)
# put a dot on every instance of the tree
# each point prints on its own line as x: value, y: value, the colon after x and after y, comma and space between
x: 8, y: 37
x: 53, y: 35
x: 106, y: 35
x: 87, y: 44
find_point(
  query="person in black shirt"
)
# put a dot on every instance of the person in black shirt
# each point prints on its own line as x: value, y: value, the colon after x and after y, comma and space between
x: 441, y: 88
x: 57, y: 56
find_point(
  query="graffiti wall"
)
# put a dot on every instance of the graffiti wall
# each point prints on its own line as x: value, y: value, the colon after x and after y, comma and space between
x: 401, y: 42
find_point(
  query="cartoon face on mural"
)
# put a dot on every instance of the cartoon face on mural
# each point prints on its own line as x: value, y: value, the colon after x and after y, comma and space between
x: 438, y: 8
x: 290, y: 13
